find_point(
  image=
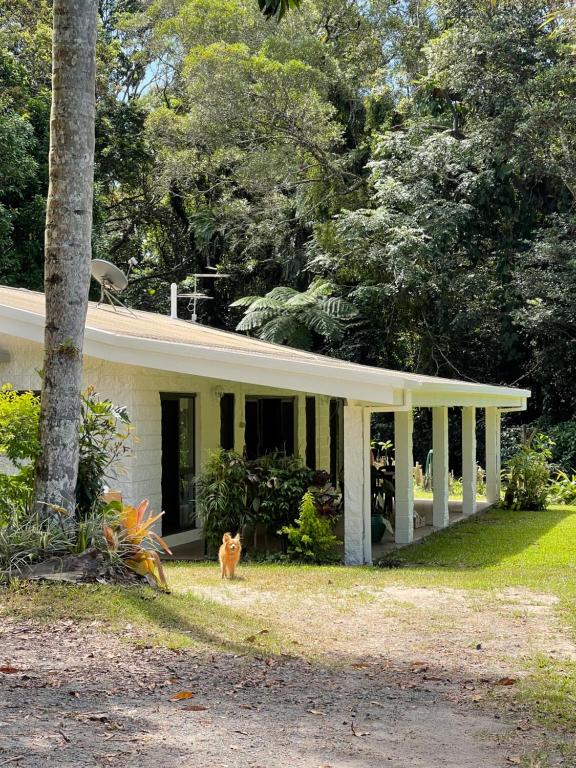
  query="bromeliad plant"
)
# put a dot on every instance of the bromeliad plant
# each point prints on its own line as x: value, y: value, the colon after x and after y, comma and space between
x: 130, y: 538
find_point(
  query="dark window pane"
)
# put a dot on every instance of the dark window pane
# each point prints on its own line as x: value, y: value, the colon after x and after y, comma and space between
x: 178, y: 462
x: 311, y: 432
x: 227, y: 421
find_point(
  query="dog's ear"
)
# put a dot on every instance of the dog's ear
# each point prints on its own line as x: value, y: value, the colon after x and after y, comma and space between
x: 226, y: 538
x: 237, y: 538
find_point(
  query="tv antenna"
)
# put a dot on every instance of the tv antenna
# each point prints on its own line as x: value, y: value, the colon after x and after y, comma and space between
x: 112, y: 281
x: 194, y: 296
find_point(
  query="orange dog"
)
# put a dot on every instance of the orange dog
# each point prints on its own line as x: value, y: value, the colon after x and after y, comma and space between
x: 229, y: 555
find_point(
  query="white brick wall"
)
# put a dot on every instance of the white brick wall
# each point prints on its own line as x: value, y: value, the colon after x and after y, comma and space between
x: 139, y: 390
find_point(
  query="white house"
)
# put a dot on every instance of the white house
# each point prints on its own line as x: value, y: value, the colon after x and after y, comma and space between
x: 189, y: 389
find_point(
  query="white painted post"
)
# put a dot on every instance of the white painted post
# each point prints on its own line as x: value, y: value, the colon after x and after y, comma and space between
x: 300, y: 408
x: 440, y: 512
x: 492, y: 455
x: 404, y: 481
x: 469, y: 468
x: 357, y: 527
x: 239, y: 421
x: 174, y: 301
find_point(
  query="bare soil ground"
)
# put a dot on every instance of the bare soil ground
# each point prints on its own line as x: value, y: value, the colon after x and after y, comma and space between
x: 400, y: 676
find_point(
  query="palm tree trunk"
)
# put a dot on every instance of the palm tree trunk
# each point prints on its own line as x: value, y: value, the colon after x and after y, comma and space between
x: 67, y: 248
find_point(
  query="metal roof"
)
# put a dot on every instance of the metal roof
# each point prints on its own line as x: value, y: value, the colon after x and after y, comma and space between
x: 156, y: 341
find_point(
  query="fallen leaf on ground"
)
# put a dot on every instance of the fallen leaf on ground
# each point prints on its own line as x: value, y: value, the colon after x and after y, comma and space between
x: 506, y: 681
x: 182, y: 695
x: 195, y: 708
x: 315, y: 712
x: 9, y: 670
x: 514, y: 759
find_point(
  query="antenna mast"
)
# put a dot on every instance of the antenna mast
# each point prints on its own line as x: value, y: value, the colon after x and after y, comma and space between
x: 195, y: 296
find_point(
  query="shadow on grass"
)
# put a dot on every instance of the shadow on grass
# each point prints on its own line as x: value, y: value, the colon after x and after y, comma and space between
x: 205, y: 623
x: 495, y: 536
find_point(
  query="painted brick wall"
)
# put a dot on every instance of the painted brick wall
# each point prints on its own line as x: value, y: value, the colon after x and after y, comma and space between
x: 139, y: 389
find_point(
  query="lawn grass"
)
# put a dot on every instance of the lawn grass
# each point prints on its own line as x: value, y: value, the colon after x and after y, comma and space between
x: 498, y: 550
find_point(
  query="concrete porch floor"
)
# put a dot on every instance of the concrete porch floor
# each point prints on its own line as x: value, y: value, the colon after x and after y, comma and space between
x: 424, y: 508
x: 195, y: 550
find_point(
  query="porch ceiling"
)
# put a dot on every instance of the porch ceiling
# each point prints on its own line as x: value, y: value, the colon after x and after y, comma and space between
x: 157, y: 341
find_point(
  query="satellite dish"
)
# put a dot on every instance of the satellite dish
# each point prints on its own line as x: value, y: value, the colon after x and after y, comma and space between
x: 111, y: 279
x: 108, y: 275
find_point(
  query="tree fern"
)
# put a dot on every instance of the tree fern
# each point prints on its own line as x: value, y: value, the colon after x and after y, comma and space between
x: 286, y: 316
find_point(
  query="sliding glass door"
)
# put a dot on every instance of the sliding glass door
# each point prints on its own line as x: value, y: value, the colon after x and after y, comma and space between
x: 178, y: 462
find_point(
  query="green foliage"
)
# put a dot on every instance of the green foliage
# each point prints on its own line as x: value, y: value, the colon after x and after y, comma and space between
x: 527, y: 474
x: 276, y: 483
x: 285, y: 316
x: 277, y: 8
x: 562, y: 488
x: 103, y: 435
x: 564, y: 449
x: 222, y: 495
x: 30, y: 540
x: 102, y: 445
x: 418, y: 156
x: 233, y: 491
x: 311, y: 538
x: 19, y: 412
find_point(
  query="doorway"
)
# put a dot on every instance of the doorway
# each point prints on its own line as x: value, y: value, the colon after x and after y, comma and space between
x: 178, y: 462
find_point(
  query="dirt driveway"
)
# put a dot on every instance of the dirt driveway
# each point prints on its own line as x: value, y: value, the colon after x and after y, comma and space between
x: 400, y: 677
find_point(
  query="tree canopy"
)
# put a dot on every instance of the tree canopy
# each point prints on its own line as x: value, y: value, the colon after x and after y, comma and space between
x: 420, y: 157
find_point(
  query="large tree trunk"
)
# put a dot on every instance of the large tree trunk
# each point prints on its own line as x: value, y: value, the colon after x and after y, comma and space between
x: 67, y: 248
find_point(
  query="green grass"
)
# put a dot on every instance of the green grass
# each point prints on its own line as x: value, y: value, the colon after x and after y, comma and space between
x: 498, y: 550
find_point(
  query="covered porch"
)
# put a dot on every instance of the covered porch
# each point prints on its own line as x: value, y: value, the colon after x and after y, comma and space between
x: 439, y: 511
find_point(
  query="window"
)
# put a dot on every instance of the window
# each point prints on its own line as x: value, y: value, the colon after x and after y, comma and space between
x: 227, y: 421
x: 178, y: 462
x: 311, y: 432
x: 269, y: 426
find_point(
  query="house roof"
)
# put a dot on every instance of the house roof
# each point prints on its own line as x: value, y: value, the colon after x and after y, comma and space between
x: 158, y: 341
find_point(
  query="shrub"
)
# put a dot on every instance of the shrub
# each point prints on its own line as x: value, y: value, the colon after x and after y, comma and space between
x: 101, y: 446
x: 327, y: 498
x: 19, y: 444
x: 222, y: 495
x: 129, y: 537
x: 276, y: 485
x: 564, y: 449
x: 527, y: 474
x: 562, y: 488
x: 311, y: 538
x: 24, y: 542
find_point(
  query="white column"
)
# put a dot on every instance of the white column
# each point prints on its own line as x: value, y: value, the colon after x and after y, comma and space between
x: 300, y: 408
x: 239, y: 421
x: 322, y: 432
x: 469, y: 468
x: 404, y: 481
x: 357, y: 527
x: 492, y: 455
x: 440, y: 514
